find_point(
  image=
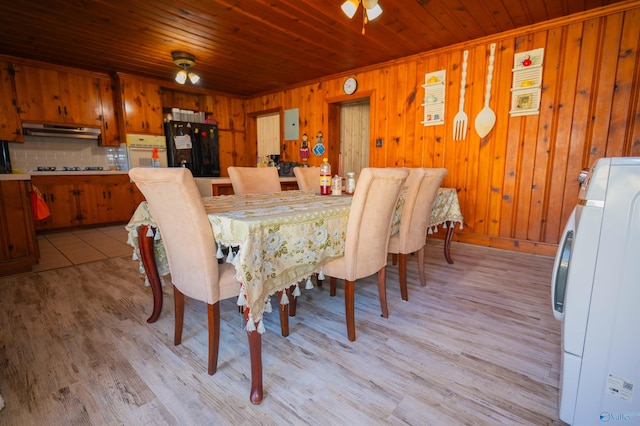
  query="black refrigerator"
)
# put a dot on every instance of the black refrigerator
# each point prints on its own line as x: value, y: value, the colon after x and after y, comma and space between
x: 193, y: 145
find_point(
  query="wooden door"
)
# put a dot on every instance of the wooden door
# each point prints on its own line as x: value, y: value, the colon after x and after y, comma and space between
x: 142, y: 107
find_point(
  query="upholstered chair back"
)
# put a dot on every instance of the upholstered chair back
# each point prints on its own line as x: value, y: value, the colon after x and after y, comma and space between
x: 372, y: 209
x: 308, y: 178
x: 254, y: 180
x: 422, y: 188
x: 177, y: 209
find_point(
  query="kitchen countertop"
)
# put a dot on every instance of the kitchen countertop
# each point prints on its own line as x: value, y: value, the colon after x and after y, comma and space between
x: 27, y: 175
x: 79, y: 172
x: 227, y: 180
x: 14, y: 176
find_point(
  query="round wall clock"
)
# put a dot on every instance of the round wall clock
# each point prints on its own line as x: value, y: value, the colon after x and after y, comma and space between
x: 350, y: 85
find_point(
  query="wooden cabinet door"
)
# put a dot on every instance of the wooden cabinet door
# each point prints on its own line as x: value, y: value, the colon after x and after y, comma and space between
x: 55, y: 97
x: 38, y: 95
x: 10, y: 126
x: 110, y: 132
x: 124, y: 200
x: 18, y: 245
x: 81, y: 102
x: 62, y: 202
x: 87, y: 200
x: 90, y: 206
x: 105, y: 203
x: 142, y: 107
x: 17, y: 239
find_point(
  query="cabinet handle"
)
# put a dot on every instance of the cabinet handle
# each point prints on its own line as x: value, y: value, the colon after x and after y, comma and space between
x: 143, y: 124
x: 59, y: 110
x: 65, y: 110
x: 52, y: 197
x: 104, y: 195
x: 109, y: 194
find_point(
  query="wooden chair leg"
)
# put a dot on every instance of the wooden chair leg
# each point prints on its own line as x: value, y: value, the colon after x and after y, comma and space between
x: 349, y: 308
x: 382, y: 291
x: 178, y: 302
x: 332, y: 286
x: 402, y: 272
x: 214, y: 336
x: 318, y: 281
x: 423, y: 280
x: 394, y: 258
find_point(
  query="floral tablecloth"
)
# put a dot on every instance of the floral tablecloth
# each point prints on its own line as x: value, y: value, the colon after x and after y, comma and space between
x: 446, y: 208
x: 280, y: 239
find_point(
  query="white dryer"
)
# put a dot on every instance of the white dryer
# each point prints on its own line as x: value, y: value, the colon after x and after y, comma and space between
x: 596, y: 293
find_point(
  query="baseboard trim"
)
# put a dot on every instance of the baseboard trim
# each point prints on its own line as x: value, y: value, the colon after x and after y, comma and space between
x: 522, y: 246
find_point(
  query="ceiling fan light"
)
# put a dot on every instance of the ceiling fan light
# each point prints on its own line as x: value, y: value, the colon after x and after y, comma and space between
x: 181, y: 77
x: 349, y: 7
x: 193, y: 78
x: 369, y: 4
x: 374, y: 12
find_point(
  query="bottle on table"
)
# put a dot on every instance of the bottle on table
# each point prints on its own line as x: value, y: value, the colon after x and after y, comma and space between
x: 155, y: 158
x: 325, y: 177
x: 351, y: 183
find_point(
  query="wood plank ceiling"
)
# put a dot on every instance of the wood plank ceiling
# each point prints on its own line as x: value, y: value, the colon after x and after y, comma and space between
x: 246, y: 47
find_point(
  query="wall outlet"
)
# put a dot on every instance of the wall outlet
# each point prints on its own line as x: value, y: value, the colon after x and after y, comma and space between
x: 379, y: 143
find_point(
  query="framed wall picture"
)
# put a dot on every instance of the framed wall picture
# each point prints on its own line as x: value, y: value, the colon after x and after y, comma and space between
x: 523, y: 101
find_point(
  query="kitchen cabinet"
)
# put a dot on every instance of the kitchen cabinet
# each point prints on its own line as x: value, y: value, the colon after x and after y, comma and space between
x: 82, y: 200
x: 142, y: 107
x: 110, y: 131
x: 61, y: 199
x: 56, y: 97
x: 10, y: 127
x: 18, y: 246
x: 116, y: 200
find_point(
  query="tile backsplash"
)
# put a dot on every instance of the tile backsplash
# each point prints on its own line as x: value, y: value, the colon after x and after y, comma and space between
x: 64, y: 152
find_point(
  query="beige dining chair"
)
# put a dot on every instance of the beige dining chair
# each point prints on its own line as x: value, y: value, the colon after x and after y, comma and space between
x: 177, y: 209
x: 308, y: 178
x: 254, y: 180
x: 422, y: 189
x: 367, y: 237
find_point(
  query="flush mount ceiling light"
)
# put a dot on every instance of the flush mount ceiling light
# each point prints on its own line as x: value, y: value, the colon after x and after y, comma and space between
x: 185, y: 61
x: 370, y: 10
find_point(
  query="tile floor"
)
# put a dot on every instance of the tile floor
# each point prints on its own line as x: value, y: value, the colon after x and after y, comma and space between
x: 62, y: 249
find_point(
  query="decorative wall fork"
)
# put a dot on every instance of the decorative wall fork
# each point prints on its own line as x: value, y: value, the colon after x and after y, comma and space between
x: 460, y: 121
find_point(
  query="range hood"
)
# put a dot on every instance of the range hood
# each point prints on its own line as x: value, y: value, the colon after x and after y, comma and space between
x: 59, y: 131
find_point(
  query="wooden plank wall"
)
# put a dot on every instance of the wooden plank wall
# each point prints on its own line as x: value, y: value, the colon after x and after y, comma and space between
x: 517, y: 186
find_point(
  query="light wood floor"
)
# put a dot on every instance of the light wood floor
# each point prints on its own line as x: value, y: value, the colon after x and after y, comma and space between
x: 478, y: 346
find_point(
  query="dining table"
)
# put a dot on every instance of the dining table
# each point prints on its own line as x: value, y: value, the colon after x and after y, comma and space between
x: 276, y: 242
